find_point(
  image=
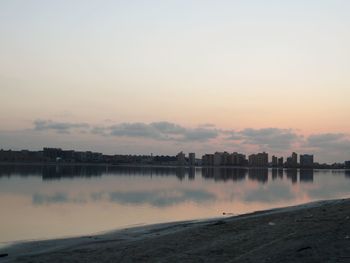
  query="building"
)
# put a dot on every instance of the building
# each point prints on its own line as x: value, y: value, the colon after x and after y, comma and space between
x: 208, y: 160
x: 274, y: 161
x: 218, y: 158
x: 181, y: 159
x: 259, y: 159
x: 292, y: 161
x: 306, y: 160
x: 52, y: 154
x: 192, y: 159
x: 237, y: 159
x: 347, y: 164
x: 280, y: 162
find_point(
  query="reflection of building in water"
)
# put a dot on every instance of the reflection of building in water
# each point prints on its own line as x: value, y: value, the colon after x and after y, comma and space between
x: 306, y: 175
x: 347, y: 174
x: 292, y: 174
x: 57, y: 172
x: 259, y: 174
x: 224, y: 174
x: 180, y: 173
x: 280, y: 173
x: 21, y: 170
x: 191, y: 173
x: 274, y: 173
x: 54, y: 172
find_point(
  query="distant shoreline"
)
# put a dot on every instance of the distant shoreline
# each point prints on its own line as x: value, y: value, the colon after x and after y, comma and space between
x: 317, y: 232
x: 157, y: 165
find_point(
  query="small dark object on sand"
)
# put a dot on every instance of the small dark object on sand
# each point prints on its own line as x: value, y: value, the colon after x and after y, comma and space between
x: 304, y: 248
x: 3, y: 255
x: 219, y: 223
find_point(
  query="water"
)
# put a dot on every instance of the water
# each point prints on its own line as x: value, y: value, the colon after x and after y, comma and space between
x: 57, y: 201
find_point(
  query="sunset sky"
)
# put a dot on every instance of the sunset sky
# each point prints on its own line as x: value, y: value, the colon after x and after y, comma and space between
x: 141, y: 77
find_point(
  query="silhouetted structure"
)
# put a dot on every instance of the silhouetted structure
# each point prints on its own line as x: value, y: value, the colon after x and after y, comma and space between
x: 224, y: 159
x: 208, y: 160
x: 191, y: 159
x: 347, y: 164
x: 280, y: 162
x: 306, y: 160
x: 57, y: 155
x: 274, y: 161
x: 181, y: 161
x: 259, y: 159
x: 292, y: 161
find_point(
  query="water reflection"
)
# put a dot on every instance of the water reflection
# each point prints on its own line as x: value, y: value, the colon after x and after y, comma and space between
x: 57, y: 172
x: 274, y: 173
x: 270, y: 194
x: 347, y: 174
x: 158, y: 198
x: 53, y: 201
x: 306, y: 175
x: 224, y: 174
x: 259, y: 174
x: 292, y: 174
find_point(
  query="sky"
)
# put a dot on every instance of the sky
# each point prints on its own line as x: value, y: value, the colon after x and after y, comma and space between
x: 141, y: 77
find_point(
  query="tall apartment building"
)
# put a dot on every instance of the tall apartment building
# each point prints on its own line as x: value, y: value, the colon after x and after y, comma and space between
x: 347, y: 164
x: 192, y: 159
x: 280, y: 162
x: 274, y: 161
x: 292, y: 161
x: 259, y: 159
x: 208, y: 160
x: 181, y: 161
x: 306, y: 160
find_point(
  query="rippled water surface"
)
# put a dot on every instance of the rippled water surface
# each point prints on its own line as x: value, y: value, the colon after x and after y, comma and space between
x: 39, y: 202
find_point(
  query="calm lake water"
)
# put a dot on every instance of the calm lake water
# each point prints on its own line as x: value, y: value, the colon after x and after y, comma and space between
x: 56, y: 201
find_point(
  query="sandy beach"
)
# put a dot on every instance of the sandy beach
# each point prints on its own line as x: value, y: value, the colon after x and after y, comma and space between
x: 313, y: 232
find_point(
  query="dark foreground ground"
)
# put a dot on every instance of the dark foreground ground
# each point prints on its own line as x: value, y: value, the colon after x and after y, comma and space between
x: 316, y: 232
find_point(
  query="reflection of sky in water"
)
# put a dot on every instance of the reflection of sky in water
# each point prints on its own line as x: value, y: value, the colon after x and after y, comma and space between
x: 159, y: 198
x: 44, y: 202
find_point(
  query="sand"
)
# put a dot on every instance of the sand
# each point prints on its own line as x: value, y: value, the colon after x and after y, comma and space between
x: 314, y: 232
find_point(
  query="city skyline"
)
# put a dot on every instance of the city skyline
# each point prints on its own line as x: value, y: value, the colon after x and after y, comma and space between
x: 203, y: 139
x: 261, y: 159
x: 176, y: 75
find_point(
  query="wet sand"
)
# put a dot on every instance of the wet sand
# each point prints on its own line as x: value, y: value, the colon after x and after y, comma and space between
x: 314, y: 232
